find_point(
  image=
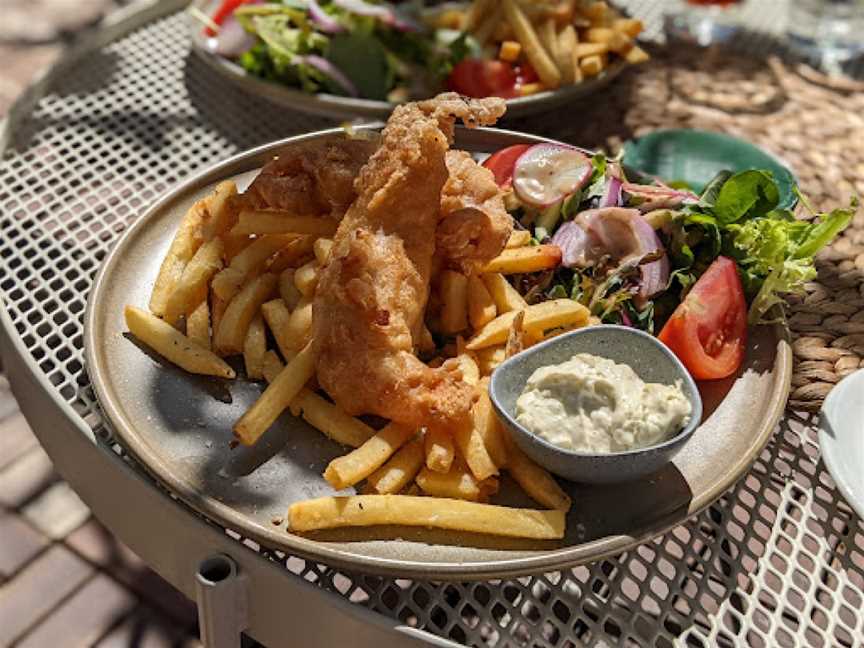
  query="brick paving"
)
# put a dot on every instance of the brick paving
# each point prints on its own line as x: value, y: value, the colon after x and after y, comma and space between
x: 65, y: 581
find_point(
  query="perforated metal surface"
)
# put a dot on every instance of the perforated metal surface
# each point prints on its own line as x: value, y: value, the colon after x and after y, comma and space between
x: 779, y: 560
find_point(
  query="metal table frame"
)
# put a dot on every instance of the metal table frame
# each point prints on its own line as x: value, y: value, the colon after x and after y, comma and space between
x: 778, y: 560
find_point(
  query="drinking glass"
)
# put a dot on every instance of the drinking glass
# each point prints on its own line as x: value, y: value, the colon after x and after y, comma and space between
x: 830, y: 32
x: 704, y: 22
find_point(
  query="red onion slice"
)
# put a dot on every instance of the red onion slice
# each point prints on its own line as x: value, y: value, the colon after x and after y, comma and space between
x: 624, y: 235
x: 383, y: 12
x: 330, y: 70
x: 324, y: 21
x: 575, y: 245
x: 546, y: 173
x: 612, y: 195
x: 232, y: 40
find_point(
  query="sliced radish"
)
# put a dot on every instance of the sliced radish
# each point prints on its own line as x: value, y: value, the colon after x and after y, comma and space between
x: 546, y: 173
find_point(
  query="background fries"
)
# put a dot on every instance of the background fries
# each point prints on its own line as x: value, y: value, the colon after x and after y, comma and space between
x: 278, y: 222
x: 183, y: 248
x: 355, y: 466
x: 239, y: 313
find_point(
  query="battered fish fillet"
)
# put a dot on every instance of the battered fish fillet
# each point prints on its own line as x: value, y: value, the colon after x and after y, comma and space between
x: 475, y: 225
x: 315, y: 178
x: 371, y: 296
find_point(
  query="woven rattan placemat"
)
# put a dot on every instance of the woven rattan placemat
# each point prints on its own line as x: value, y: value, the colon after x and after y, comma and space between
x: 813, y: 123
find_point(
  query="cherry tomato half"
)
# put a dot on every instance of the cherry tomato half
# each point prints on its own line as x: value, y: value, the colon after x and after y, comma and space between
x: 708, y: 330
x: 483, y: 78
x: 501, y: 163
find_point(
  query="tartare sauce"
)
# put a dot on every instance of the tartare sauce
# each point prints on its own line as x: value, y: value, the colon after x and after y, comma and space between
x: 593, y: 404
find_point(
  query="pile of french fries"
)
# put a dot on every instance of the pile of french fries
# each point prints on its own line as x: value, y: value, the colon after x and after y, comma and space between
x: 241, y: 282
x: 565, y: 41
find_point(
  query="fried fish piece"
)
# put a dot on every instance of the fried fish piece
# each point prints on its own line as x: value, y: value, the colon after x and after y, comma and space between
x: 371, y: 296
x: 311, y: 178
x: 474, y: 225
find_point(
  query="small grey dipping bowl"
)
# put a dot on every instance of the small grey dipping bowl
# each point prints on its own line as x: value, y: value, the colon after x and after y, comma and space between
x: 650, y: 359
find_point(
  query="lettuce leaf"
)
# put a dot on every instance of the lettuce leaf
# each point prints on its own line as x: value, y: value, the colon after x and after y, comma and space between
x: 787, y: 278
x: 747, y: 194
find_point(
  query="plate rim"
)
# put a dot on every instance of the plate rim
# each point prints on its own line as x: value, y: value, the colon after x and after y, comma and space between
x: 854, y: 500
x: 284, y: 540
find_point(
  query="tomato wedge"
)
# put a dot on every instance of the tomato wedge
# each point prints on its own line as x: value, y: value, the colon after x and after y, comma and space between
x: 501, y: 163
x: 483, y: 78
x: 223, y: 11
x: 708, y: 330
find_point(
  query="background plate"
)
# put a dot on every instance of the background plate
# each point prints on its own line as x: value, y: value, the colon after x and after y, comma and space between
x: 348, y: 108
x: 179, y: 426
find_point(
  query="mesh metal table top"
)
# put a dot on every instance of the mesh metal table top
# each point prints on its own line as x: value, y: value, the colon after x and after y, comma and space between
x: 778, y: 560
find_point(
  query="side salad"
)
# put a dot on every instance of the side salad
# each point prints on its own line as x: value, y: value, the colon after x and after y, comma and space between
x: 695, y: 269
x: 376, y: 50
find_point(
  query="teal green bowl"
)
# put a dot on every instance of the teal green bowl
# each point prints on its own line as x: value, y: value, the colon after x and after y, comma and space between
x: 696, y: 156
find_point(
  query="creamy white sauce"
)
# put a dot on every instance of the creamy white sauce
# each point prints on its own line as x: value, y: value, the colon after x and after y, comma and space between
x: 593, y: 404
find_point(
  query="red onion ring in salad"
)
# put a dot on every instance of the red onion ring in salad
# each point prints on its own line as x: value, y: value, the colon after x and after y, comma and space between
x: 383, y: 12
x: 622, y: 234
x: 331, y: 71
x: 324, y: 21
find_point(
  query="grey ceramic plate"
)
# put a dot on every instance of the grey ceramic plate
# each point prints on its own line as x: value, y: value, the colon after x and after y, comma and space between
x: 179, y: 426
x: 338, y: 107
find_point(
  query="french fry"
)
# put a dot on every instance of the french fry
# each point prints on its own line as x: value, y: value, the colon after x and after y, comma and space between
x: 503, y: 31
x: 298, y: 331
x: 473, y: 448
x: 198, y: 325
x: 402, y: 467
x: 191, y: 289
x: 516, y: 342
x: 534, y: 51
x: 293, y: 255
x: 241, y: 309
x: 488, y: 427
x: 432, y: 512
x: 454, y: 301
x: 468, y: 366
x: 217, y: 310
x: 426, y: 343
x: 505, y: 296
x: 174, y: 346
x: 519, y: 238
x: 322, y: 248
x: 548, y: 34
x: 489, y: 358
x: 254, y: 348
x: 358, y: 464
x: 277, y: 316
x: 481, y: 306
x: 584, y: 50
x: 186, y: 242
x: 458, y: 483
x: 234, y: 245
x: 567, y: 63
x: 265, y: 221
x: 636, y: 55
x: 439, y: 450
x: 330, y: 419
x: 527, y: 89
x: 629, y: 26
x: 476, y: 13
x: 591, y: 65
x: 596, y: 12
x: 288, y: 291
x: 534, y: 480
x: 509, y: 51
x: 525, y: 259
x: 306, y: 278
x: 617, y: 41
x: 489, y: 26
x: 276, y: 398
x: 220, y: 211
x: 247, y: 263
x: 538, y: 318
x: 271, y: 366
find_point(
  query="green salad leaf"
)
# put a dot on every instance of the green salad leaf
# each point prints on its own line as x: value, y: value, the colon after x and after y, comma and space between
x: 746, y: 194
x: 363, y: 59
